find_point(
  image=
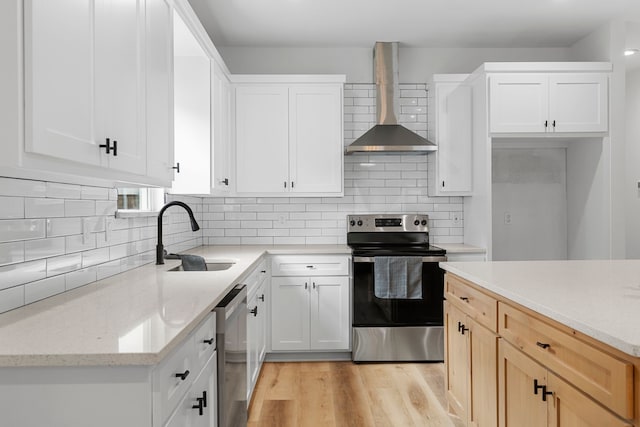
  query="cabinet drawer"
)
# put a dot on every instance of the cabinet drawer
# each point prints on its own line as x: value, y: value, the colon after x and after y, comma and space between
x: 172, y: 378
x: 479, y: 306
x: 595, y: 372
x: 310, y: 265
x: 204, y: 339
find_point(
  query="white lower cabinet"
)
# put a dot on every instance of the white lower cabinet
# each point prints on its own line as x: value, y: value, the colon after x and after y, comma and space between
x: 166, y: 394
x: 256, y: 325
x: 198, y: 407
x: 310, y: 303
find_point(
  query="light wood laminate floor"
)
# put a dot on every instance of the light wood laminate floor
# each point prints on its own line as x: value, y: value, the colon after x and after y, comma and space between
x: 318, y: 394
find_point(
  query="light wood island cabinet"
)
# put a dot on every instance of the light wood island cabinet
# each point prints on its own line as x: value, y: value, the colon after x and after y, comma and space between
x: 507, y: 365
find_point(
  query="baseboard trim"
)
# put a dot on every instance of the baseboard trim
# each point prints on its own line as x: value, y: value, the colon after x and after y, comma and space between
x: 305, y: 356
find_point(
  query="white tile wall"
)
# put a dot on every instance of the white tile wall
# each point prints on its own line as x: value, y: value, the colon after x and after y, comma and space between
x: 42, y: 249
x: 373, y: 184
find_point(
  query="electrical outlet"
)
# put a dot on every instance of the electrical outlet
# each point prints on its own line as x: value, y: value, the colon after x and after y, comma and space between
x: 456, y: 219
x: 507, y: 218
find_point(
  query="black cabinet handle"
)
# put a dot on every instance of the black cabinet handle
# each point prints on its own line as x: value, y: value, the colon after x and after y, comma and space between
x: 254, y: 311
x: 199, y: 406
x: 261, y: 297
x: 465, y: 299
x: 537, y: 387
x: 108, y: 147
x: 462, y: 328
x: 204, y: 398
x: 176, y: 167
x: 209, y: 341
x: 263, y: 271
x: 292, y: 184
x: 554, y: 124
x: 543, y: 345
x: 183, y: 376
x: 225, y: 181
x: 285, y: 184
x: 546, y: 123
x: 545, y: 393
x: 442, y: 183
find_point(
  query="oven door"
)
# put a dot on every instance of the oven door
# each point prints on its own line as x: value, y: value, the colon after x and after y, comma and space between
x: 370, y: 311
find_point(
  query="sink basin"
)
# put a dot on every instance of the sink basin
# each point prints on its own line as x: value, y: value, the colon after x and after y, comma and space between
x: 212, y: 265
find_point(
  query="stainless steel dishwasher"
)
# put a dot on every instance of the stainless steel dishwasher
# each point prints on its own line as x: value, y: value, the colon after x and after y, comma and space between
x: 231, y: 334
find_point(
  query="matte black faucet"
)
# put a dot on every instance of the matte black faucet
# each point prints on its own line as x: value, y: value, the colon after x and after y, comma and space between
x: 194, y: 227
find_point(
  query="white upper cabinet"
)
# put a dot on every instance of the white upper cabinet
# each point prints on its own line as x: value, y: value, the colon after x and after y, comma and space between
x: 579, y: 102
x: 97, y: 86
x: 221, y: 150
x: 289, y: 138
x: 548, y: 102
x: 315, y: 139
x: 202, y: 105
x: 262, y: 139
x: 450, y: 128
x: 192, y: 112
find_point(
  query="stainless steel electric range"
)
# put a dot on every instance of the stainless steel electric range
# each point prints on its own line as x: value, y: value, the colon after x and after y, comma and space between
x: 393, y: 252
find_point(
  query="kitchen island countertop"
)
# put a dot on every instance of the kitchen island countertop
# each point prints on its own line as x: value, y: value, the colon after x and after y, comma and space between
x: 599, y: 298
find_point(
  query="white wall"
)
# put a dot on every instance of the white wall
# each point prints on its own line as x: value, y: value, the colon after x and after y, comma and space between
x: 607, y: 44
x: 632, y: 192
x: 529, y: 185
x: 416, y: 65
x: 588, y: 199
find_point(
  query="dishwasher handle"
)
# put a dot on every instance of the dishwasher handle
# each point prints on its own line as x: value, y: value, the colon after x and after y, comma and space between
x: 234, y: 300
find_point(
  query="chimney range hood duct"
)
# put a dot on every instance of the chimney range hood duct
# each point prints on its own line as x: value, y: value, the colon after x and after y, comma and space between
x: 387, y: 136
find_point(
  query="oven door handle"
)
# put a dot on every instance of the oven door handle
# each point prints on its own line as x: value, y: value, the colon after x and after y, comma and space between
x: 424, y: 259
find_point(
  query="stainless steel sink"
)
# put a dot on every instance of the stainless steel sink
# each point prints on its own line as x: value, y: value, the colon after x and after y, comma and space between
x: 212, y: 265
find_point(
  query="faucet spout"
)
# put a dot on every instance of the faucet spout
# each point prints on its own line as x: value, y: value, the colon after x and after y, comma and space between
x: 192, y: 219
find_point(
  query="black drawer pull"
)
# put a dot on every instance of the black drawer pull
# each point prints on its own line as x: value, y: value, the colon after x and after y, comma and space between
x: 465, y: 299
x: 199, y: 406
x: 183, y: 376
x: 254, y: 311
x: 543, y: 345
x: 209, y: 341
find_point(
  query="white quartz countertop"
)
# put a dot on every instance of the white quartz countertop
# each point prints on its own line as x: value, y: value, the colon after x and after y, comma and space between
x: 133, y: 318
x: 599, y: 298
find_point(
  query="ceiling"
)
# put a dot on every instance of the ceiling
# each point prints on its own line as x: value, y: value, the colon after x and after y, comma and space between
x: 414, y: 23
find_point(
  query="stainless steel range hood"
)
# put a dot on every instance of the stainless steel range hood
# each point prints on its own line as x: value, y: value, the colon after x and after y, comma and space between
x: 387, y: 136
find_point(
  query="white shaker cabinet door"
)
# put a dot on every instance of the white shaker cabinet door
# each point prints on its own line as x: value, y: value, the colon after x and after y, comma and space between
x: 315, y: 139
x: 159, y: 90
x: 290, y: 313
x: 518, y: 103
x: 329, y: 313
x: 119, y: 70
x: 59, y: 80
x: 578, y: 102
x: 262, y: 139
x: 454, y: 153
x: 221, y: 149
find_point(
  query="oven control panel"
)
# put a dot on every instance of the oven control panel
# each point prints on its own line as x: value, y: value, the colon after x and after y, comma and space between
x: 387, y: 222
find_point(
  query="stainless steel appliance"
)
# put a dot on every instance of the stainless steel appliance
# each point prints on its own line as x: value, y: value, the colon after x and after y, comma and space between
x: 387, y: 136
x: 395, y: 329
x: 231, y: 335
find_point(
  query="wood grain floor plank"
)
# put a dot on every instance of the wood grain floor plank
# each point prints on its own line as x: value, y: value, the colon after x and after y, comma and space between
x: 344, y: 394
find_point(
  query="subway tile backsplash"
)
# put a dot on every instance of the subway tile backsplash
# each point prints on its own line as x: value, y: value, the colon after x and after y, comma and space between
x: 43, y: 251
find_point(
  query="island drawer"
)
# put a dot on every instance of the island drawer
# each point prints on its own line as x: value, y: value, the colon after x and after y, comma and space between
x: 310, y: 265
x: 476, y: 304
x: 597, y: 373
